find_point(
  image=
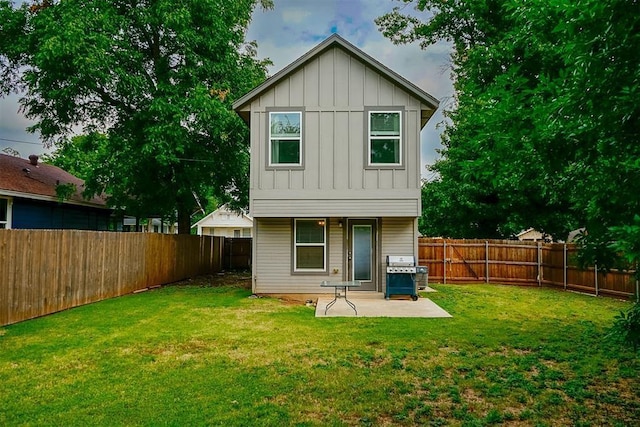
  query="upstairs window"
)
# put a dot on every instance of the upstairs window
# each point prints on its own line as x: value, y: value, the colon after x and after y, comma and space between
x: 5, y: 213
x: 285, y: 138
x: 310, y: 245
x: 385, y: 138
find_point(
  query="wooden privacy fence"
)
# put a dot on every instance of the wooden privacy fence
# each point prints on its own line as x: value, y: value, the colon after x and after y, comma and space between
x: 45, y: 271
x: 524, y: 263
x: 237, y: 253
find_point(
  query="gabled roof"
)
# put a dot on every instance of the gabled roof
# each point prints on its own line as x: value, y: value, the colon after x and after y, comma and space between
x: 20, y: 178
x: 523, y: 232
x: 238, y: 220
x: 331, y: 41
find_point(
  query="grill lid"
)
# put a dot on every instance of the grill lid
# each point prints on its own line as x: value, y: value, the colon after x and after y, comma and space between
x: 400, y: 261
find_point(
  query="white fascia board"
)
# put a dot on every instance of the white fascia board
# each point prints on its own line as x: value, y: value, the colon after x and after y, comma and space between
x: 50, y: 199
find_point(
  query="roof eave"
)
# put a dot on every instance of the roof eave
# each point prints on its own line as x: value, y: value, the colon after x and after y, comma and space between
x: 423, y: 96
x: 45, y: 198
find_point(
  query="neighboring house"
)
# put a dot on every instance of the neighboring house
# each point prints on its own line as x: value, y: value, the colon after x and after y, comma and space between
x: 29, y: 198
x: 532, y: 235
x: 150, y: 225
x: 335, y: 169
x: 225, y: 222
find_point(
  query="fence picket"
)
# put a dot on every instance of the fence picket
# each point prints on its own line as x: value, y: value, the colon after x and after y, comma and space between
x: 521, y: 263
x: 44, y: 271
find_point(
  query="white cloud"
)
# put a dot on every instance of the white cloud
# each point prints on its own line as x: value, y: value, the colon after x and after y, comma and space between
x: 10, y: 117
x: 295, y: 16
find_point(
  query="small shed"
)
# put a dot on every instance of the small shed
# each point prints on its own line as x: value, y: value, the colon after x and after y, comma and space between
x: 225, y: 222
x: 533, y: 235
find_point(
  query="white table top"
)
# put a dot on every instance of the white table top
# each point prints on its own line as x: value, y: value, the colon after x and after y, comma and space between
x: 349, y: 284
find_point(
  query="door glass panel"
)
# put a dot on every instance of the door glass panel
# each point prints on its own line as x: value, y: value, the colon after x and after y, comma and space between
x: 362, y: 252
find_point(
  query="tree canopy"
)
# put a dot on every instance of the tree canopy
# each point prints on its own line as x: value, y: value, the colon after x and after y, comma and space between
x: 544, y: 132
x: 149, y: 83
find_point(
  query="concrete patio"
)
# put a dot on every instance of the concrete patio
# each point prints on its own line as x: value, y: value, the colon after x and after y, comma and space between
x: 373, y: 304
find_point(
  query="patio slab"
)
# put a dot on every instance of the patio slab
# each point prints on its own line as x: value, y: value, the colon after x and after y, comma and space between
x: 377, y: 306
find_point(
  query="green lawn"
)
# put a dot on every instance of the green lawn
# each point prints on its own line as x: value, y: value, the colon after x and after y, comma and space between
x: 198, y: 354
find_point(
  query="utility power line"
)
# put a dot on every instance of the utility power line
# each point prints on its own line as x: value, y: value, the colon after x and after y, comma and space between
x: 21, y: 142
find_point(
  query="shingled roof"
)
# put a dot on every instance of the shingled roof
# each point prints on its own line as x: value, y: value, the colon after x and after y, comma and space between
x: 20, y: 178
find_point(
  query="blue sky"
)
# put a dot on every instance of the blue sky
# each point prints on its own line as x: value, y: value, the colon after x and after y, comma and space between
x: 288, y: 31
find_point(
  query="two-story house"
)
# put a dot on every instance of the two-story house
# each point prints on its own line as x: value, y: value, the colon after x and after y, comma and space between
x: 335, y: 169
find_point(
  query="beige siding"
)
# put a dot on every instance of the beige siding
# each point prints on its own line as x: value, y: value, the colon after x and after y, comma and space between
x: 273, y: 248
x: 399, y: 237
x: 335, y: 90
x: 229, y: 232
x: 272, y: 259
x: 272, y: 206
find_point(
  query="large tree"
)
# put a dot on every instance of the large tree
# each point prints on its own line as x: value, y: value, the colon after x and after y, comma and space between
x: 150, y: 82
x: 544, y: 130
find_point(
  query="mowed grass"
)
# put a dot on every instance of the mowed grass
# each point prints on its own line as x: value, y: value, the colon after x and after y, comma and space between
x: 205, y: 354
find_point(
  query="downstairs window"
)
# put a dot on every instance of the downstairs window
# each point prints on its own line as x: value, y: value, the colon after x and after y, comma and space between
x: 310, y: 245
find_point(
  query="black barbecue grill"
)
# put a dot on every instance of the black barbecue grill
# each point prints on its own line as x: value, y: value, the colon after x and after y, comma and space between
x: 401, y: 276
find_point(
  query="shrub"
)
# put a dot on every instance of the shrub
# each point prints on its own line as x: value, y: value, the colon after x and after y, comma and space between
x: 626, y: 327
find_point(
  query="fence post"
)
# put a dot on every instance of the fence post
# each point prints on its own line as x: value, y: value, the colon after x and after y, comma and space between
x: 596, y: 277
x: 486, y: 260
x: 637, y: 287
x: 539, y: 270
x: 212, y: 255
x: 564, y: 269
x: 444, y: 262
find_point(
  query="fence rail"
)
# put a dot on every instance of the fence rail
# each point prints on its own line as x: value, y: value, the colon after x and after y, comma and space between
x: 45, y: 271
x: 237, y: 253
x: 522, y: 263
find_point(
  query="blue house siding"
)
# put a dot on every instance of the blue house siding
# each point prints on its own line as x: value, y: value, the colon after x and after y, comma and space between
x: 50, y: 215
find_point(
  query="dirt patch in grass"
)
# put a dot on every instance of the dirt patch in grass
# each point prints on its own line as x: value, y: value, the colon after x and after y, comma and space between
x: 242, y: 280
x: 608, y: 397
x: 230, y: 279
x: 509, y: 352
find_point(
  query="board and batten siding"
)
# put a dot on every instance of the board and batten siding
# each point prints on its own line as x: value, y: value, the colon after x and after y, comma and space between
x: 335, y: 90
x: 272, y: 263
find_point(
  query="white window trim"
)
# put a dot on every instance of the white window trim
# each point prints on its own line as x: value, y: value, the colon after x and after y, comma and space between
x: 370, y: 138
x: 7, y: 223
x: 296, y: 244
x: 269, y: 137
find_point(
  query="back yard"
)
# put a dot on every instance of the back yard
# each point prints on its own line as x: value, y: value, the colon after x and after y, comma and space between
x: 203, y: 353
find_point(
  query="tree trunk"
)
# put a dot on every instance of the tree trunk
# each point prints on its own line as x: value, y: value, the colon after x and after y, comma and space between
x: 184, y: 220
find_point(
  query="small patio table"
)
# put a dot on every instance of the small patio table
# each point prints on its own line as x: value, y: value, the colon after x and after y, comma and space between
x: 337, y: 287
